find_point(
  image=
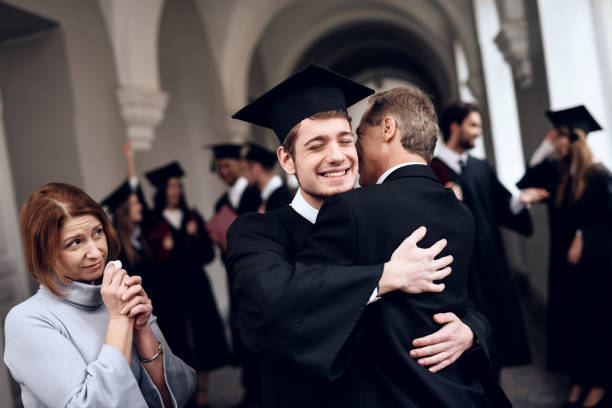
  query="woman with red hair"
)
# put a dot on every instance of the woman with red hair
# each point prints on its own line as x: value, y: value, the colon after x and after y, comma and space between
x: 87, y: 337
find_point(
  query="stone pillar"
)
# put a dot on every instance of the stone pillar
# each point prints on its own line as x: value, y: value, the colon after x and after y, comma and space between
x: 13, y: 280
x: 133, y: 28
x: 500, y: 97
x: 513, y: 41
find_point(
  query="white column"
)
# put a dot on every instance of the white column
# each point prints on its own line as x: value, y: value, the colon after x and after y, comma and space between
x: 501, y: 98
x: 133, y: 28
x: 13, y: 280
x: 578, y: 56
x: 465, y: 94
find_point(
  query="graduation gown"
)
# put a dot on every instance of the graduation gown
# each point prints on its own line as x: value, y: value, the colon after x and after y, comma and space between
x: 490, y: 283
x: 143, y: 266
x: 279, y: 198
x: 305, y: 321
x: 298, y: 319
x: 578, y: 296
x: 364, y: 226
x: 186, y: 306
x: 249, y: 201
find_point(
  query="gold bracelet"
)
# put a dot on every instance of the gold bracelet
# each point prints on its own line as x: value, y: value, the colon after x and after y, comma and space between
x: 160, y: 350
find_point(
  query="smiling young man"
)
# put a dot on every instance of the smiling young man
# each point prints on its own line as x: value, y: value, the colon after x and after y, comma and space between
x: 307, y: 321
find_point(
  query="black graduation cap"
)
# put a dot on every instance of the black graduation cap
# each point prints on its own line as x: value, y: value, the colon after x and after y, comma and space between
x: 118, y: 197
x: 577, y: 116
x: 260, y: 155
x: 160, y: 175
x: 225, y: 150
x: 313, y: 90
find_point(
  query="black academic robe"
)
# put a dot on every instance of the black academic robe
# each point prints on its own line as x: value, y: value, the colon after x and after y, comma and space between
x: 364, y: 226
x: 490, y: 283
x: 241, y: 355
x: 249, y: 201
x: 279, y: 198
x: 298, y: 319
x: 143, y: 266
x: 578, y: 296
x: 305, y: 321
x: 185, y: 305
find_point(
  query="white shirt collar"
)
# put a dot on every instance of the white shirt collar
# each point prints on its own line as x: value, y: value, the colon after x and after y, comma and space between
x: 274, y: 183
x: 301, y: 206
x: 174, y: 217
x: 234, y: 193
x: 392, y: 169
x: 451, y: 158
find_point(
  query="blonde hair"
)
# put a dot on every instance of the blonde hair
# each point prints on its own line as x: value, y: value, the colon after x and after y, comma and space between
x: 579, y: 163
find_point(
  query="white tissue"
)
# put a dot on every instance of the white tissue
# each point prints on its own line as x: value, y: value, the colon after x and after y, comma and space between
x: 117, y: 264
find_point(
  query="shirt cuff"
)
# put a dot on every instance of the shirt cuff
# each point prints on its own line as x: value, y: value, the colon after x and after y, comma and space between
x: 374, y: 296
x: 516, y: 206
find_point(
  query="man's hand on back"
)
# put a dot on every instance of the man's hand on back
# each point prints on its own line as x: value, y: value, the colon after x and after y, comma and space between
x: 412, y: 269
x: 444, y: 347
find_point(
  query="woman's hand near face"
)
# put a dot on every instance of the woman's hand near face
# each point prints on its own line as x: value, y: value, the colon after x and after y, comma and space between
x: 552, y: 134
x: 112, y: 290
x: 136, y: 302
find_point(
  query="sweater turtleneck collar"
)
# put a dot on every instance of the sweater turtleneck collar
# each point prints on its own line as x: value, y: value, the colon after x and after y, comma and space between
x: 77, y: 293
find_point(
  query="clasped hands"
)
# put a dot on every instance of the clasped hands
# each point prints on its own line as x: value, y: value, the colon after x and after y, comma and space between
x: 415, y: 270
x: 125, y: 297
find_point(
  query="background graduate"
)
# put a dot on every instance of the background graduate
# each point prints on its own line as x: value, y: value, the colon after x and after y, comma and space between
x: 240, y: 198
x: 303, y: 319
x: 490, y: 284
x: 131, y: 218
x: 259, y: 170
x: 227, y: 163
x: 580, y: 256
x: 186, y: 305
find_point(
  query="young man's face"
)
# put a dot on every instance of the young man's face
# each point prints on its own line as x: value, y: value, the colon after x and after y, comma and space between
x: 470, y: 130
x: 325, y: 159
x: 252, y: 171
x: 229, y: 170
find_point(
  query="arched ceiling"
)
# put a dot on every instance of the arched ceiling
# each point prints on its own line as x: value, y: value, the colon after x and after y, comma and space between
x: 386, y: 50
x: 273, y: 38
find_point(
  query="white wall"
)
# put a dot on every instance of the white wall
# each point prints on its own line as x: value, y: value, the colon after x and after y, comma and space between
x: 576, y: 55
x: 501, y: 99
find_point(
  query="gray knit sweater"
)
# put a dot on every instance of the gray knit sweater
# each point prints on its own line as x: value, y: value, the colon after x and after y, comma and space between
x: 54, y: 348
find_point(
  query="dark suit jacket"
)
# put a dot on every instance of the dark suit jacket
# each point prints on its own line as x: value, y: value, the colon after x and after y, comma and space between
x: 364, y: 226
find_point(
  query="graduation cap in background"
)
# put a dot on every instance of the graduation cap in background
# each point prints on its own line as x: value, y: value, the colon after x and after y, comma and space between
x: 260, y: 155
x: 313, y: 90
x: 118, y: 197
x: 160, y: 175
x: 224, y: 151
x: 575, y: 117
